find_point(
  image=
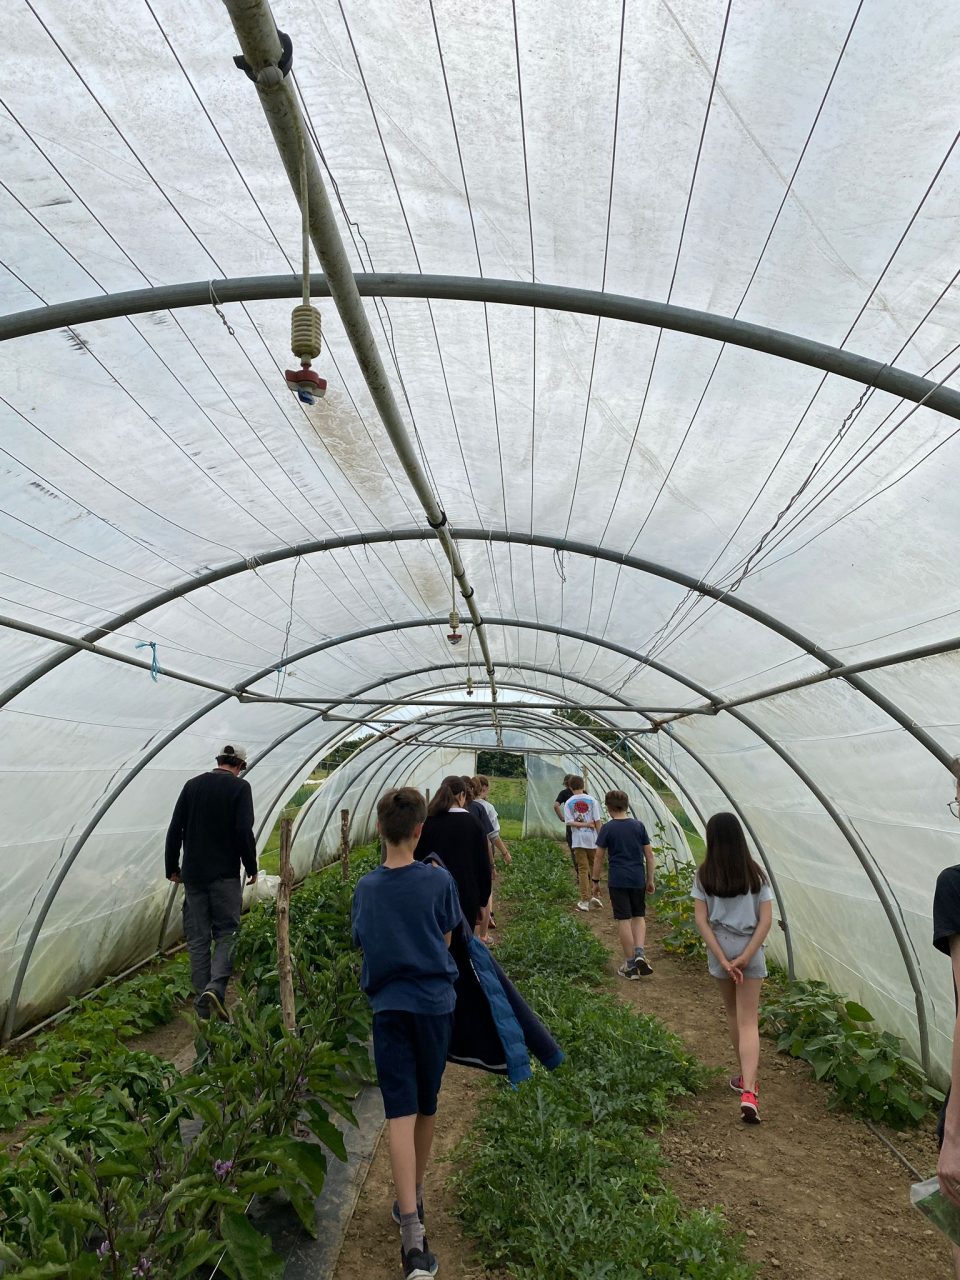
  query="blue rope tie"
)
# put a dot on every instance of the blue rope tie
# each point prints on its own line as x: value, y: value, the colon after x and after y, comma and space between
x: 154, y: 665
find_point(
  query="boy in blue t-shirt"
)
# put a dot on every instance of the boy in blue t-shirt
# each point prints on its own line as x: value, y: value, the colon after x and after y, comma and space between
x: 403, y: 915
x: 629, y: 879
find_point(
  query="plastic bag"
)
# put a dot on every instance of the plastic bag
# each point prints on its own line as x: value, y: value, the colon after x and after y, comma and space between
x: 933, y: 1204
x: 264, y: 890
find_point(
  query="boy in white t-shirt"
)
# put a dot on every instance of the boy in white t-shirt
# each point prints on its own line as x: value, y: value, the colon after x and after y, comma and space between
x: 581, y: 813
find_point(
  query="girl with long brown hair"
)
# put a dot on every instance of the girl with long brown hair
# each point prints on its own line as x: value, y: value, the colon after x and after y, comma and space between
x: 733, y: 910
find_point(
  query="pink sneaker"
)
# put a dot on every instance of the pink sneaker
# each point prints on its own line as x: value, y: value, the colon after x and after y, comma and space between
x: 749, y: 1107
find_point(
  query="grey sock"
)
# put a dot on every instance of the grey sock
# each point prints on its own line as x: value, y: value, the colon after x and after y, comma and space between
x: 419, y: 1195
x: 638, y: 951
x: 411, y: 1231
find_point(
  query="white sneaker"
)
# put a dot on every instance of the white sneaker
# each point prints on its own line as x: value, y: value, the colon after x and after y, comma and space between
x: 595, y: 901
x: 583, y: 906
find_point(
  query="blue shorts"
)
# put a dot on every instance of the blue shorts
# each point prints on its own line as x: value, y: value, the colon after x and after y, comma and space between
x: 410, y: 1052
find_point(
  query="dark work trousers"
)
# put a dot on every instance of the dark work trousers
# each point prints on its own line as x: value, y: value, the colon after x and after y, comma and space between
x: 211, y: 916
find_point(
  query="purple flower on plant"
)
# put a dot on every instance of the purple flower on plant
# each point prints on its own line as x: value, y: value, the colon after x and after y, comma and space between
x: 222, y: 1167
x: 143, y: 1268
x: 104, y: 1249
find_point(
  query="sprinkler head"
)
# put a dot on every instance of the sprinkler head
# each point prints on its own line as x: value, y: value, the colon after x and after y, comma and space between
x: 306, y: 385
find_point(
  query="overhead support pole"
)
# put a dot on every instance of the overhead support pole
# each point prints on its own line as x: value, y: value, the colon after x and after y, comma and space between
x: 256, y: 30
x: 916, y: 654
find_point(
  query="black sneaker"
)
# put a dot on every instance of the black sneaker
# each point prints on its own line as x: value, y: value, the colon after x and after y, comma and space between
x: 419, y: 1264
x: 395, y: 1212
x: 210, y: 1003
x: 643, y: 965
x: 629, y: 970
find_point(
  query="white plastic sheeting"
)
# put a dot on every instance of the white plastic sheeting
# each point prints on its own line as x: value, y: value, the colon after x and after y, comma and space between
x: 792, y: 164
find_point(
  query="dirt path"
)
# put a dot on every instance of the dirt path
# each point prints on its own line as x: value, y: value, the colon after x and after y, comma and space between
x: 816, y: 1194
x: 371, y: 1247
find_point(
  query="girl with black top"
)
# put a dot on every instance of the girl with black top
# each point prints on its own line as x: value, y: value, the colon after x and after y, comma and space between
x: 456, y: 837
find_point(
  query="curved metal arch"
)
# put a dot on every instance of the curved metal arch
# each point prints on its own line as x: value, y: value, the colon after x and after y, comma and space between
x: 515, y: 293
x: 121, y: 785
x: 688, y: 798
x: 655, y: 762
x: 570, y: 546
x: 557, y: 728
x: 860, y: 852
x: 575, y: 731
x: 418, y: 671
x: 425, y: 748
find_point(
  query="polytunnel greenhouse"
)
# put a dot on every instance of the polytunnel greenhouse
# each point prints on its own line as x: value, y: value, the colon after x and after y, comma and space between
x: 628, y: 450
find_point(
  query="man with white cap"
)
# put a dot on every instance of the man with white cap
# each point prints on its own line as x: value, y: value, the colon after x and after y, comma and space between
x: 213, y: 824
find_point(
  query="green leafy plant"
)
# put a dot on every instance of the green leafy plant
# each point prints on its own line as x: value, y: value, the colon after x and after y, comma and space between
x: 865, y: 1066
x: 108, y: 1186
x: 570, y: 1153
x: 673, y: 905
x: 87, y: 1039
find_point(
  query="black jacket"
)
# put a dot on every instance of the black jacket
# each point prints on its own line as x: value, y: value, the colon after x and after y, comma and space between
x: 456, y: 838
x: 213, y: 822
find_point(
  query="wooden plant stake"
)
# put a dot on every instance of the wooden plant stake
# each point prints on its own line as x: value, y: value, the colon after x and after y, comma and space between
x: 284, y: 962
x: 345, y: 843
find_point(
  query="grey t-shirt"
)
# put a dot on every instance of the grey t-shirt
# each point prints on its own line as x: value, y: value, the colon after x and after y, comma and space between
x: 738, y: 915
x: 493, y: 817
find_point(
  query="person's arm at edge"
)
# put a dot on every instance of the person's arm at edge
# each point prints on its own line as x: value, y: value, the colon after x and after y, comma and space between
x: 454, y: 912
x: 248, y: 841
x: 651, y: 868
x: 948, y: 1165
x: 174, y: 841
x: 502, y: 849
x: 709, y: 937
x: 485, y: 880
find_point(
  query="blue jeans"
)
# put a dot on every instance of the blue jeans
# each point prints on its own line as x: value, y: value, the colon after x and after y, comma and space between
x: 211, y: 917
